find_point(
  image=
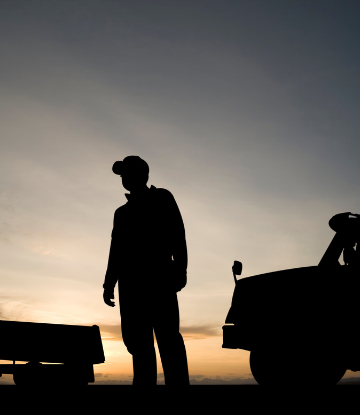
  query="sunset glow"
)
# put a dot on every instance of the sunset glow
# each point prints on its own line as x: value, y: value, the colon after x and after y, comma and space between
x: 249, y: 119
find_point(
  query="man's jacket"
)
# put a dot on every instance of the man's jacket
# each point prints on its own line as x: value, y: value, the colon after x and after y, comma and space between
x: 148, y: 245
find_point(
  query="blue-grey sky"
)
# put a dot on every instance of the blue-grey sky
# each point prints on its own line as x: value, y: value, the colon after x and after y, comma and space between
x: 247, y: 111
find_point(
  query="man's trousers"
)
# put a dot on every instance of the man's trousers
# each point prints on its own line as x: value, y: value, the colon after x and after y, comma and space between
x: 143, y: 312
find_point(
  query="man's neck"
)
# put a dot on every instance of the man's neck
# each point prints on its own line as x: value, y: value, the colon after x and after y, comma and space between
x: 139, y: 191
x: 137, y: 194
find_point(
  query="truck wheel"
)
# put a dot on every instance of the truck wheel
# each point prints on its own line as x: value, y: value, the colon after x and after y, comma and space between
x: 264, y: 367
x: 274, y: 367
x: 20, y: 379
x: 28, y: 375
x: 27, y: 380
x: 329, y: 369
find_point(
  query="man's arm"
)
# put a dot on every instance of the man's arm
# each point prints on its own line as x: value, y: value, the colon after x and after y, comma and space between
x: 111, y: 273
x: 179, y: 247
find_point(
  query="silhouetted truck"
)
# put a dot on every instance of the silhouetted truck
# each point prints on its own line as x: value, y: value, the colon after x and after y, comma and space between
x: 301, y: 325
x: 68, y: 351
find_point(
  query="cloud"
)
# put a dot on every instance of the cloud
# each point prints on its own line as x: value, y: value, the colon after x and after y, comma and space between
x: 2, y: 315
x: 48, y: 251
x: 12, y: 309
x: 110, y: 331
x: 195, y: 332
x: 101, y: 375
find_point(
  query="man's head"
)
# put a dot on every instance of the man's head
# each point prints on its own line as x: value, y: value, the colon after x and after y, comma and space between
x: 134, y: 172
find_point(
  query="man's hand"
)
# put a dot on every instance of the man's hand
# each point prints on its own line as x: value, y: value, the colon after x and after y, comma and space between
x: 180, y: 279
x: 108, y: 295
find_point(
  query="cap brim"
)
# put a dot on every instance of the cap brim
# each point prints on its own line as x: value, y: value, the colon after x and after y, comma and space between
x: 117, y: 167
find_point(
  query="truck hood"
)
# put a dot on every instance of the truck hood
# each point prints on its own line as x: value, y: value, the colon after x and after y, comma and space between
x: 277, y: 293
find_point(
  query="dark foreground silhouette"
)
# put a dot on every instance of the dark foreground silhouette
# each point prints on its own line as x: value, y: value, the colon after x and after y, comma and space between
x: 148, y: 261
x: 301, y: 324
x: 76, y: 348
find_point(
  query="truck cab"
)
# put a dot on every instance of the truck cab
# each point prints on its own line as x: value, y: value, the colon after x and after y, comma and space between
x: 300, y: 324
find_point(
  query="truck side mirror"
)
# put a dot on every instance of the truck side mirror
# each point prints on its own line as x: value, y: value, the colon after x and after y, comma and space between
x: 237, y: 268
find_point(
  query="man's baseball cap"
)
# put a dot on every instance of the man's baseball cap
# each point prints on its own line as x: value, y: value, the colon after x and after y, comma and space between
x: 131, y: 164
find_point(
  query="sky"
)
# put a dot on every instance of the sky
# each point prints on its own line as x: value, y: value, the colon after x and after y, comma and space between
x: 247, y: 111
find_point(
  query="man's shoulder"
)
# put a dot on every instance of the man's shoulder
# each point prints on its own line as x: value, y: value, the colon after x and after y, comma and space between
x: 121, y: 209
x: 161, y: 192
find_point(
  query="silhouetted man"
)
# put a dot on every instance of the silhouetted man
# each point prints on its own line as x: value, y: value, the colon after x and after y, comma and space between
x: 148, y: 260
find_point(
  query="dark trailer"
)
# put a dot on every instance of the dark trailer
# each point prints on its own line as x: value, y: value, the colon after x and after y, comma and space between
x: 68, y: 351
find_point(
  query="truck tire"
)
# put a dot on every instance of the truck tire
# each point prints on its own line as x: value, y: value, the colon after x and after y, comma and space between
x: 264, y: 367
x: 329, y: 368
x: 30, y: 380
x: 297, y: 368
x: 32, y: 375
x: 20, y: 379
x: 28, y: 375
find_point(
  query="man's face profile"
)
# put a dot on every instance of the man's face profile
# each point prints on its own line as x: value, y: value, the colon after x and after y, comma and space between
x: 133, y: 180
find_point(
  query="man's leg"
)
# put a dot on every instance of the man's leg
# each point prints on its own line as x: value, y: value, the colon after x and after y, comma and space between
x: 138, y: 338
x: 144, y: 364
x: 170, y: 342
